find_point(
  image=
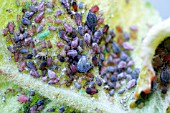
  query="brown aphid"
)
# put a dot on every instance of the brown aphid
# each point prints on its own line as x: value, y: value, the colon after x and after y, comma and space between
x: 50, y: 19
x: 11, y: 27
x: 49, y: 61
x: 119, y: 29
x: 18, y: 17
x: 22, y: 66
x: 90, y: 75
x: 32, y: 45
x: 60, y: 45
x: 34, y: 73
x: 39, y: 17
x: 75, y: 7
x: 52, y: 28
x: 16, y: 56
x: 58, y: 21
x: 73, y: 68
x: 49, y: 44
x: 5, y: 31
x: 34, y: 28
x: 43, y: 44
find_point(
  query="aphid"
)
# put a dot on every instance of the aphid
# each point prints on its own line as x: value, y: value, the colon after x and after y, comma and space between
x: 50, y: 19
x: 91, y: 91
x: 49, y: 44
x: 11, y: 49
x: 72, y: 53
x: 44, y: 78
x: 41, y: 7
x: 28, y: 14
x: 126, y: 36
x: 81, y: 30
x: 105, y: 29
x: 74, y: 43
x: 97, y: 36
x: 43, y: 44
x: 16, y: 56
x: 39, y: 17
x: 43, y: 65
x: 94, y: 9
x: 21, y: 28
x: 44, y: 34
x: 91, y: 21
x: 40, y: 28
x: 121, y: 91
x: 83, y: 64
x: 25, y: 21
x: 75, y: 7
x: 134, y: 28
x: 40, y: 102
x: 52, y: 28
x: 33, y: 9
x: 73, y: 68
x: 32, y: 93
x: 60, y: 45
x: 115, y: 47
x: 131, y: 83
x: 77, y: 85
x: 30, y: 32
x: 127, y: 46
x: 50, y: 5
x: 165, y: 75
x: 58, y: 21
x: 11, y: 27
x: 51, y: 110
x: 22, y: 98
x: 49, y: 61
x: 52, y: 75
x: 5, y: 31
x: 31, y: 65
x: 119, y: 29
x: 23, y: 51
x: 62, y: 35
x: 61, y: 58
x: 22, y: 66
x: 95, y: 48
x: 94, y: 60
x: 78, y: 18
x: 111, y: 92
x: 58, y: 13
x: 34, y: 1
x: 68, y: 27
x: 98, y: 81
x: 61, y: 109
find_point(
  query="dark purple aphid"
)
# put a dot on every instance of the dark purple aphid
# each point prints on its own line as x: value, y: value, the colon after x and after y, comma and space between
x: 115, y: 47
x: 81, y: 30
x: 28, y: 14
x: 31, y: 65
x: 11, y: 49
x: 123, y: 56
x: 11, y: 27
x: 25, y: 21
x: 51, y: 110
x: 91, y: 91
x: 33, y: 9
x: 97, y: 36
x: 23, y: 51
x: 34, y: 73
x: 73, y: 68
x: 16, y: 38
x: 43, y: 65
x: 112, y: 33
x: 61, y: 58
x: 113, y: 78
x: 72, y: 53
x: 164, y: 90
x: 61, y: 109
x: 78, y: 18
x: 40, y: 102
x: 5, y: 31
x: 83, y: 64
x: 110, y: 69
x: 87, y: 38
x: 52, y: 28
x: 32, y: 93
x: 29, y: 56
x: 62, y: 35
x: 41, y: 7
x: 105, y: 29
x: 74, y: 43
x: 91, y: 21
x: 165, y: 75
x: 39, y: 17
x: 21, y: 29
x: 40, y: 28
x: 98, y: 81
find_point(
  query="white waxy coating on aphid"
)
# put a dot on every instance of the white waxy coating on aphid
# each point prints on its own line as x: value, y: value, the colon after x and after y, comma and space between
x: 83, y: 64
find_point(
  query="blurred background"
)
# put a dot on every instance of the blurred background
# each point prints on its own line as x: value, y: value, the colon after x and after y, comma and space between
x: 163, y: 7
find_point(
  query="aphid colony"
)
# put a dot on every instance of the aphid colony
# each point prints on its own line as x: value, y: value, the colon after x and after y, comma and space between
x: 86, y: 46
